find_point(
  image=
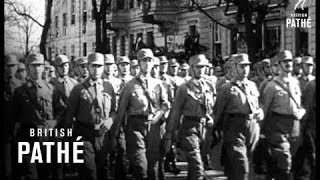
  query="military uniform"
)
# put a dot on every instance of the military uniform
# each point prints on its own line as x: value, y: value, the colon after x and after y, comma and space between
x: 80, y: 62
x: 304, y: 79
x: 194, y: 101
x: 90, y: 103
x: 237, y: 109
x: 283, y: 127
x: 32, y: 108
x: 142, y: 146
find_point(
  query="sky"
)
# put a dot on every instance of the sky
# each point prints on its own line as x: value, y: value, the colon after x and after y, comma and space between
x: 15, y: 37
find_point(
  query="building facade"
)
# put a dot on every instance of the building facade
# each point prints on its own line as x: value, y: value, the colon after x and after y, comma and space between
x: 167, y: 23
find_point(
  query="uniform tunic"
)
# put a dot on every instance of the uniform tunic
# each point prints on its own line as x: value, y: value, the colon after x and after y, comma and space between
x: 194, y: 101
x: 142, y: 146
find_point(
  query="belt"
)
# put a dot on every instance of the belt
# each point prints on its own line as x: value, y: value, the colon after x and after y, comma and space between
x: 138, y: 116
x: 285, y: 116
x: 193, y: 118
x: 241, y: 115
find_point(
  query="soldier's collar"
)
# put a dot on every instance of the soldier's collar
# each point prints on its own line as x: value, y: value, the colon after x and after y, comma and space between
x: 61, y: 80
x: 91, y: 81
x: 39, y: 83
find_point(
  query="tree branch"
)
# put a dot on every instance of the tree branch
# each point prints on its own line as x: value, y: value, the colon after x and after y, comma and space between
x: 210, y: 17
x: 23, y: 13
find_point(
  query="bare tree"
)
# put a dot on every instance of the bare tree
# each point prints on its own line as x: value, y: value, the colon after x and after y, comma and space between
x: 24, y: 14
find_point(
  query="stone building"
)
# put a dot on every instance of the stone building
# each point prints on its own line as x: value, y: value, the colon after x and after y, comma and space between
x: 164, y: 24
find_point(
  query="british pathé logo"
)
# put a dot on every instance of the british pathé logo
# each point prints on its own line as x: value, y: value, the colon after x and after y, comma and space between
x: 300, y: 18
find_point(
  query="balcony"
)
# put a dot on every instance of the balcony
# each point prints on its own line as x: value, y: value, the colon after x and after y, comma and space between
x: 159, y: 11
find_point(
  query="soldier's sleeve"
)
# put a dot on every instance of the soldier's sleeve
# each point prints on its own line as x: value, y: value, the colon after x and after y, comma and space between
x: 268, y: 95
x: 221, y: 103
x: 176, y: 111
x: 123, y: 105
x: 72, y: 107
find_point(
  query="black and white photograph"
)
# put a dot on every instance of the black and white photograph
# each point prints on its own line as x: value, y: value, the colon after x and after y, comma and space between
x: 159, y: 90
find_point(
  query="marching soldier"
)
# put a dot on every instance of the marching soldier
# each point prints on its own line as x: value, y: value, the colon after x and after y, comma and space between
x: 282, y: 99
x: 32, y: 108
x: 46, y: 71
x: 21, y: 73
x: 92, y: 104
x: 238, y: 111
x: 123, y: 64
x: 155, y: 73
x: 82, y: 69
x: 52, y: 72
x: 194, y: 101
x: 275, y: 71
x: 307, y: 69
x: 173, y: 71
x: 164, y: 69
x: 185, y: 72
x: 62, y: 87
x: 134, y: 68
x: 144, y: 101
x: 109, y: 66
x: 11, y: 83
x: 228, y: 73
x: 297, y: 67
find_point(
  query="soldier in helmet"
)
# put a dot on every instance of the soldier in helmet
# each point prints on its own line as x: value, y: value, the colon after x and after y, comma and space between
x: 82, y: 69
x: 144, y: 101
x: 228, y: 73
x: 45, y: 74
x: 52, y: 72
x: 32, y: 108
x: 123, y: 63
x: 194, y: 101
x: 92, y: 104
x: 155, y: 73
x: 134, y: 68
x: 238, y: 109
x: 297, y: 67
x: 21, y: 73
x: 185, y: 71
x: 282, y: 100
x: 307, y: 69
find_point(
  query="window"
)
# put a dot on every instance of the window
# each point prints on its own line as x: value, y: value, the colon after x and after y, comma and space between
x: 94, y: 47
x: 217, y: 33
x: 131, y: 4
x: 123, y: 45
x: 84, y: 17
x: 57, y: 25
x: 273, y: 38
x: 84, y: 48
x: 72, y: 49
x: 64, y: 25
x: 120, y: 4
x: 84, y: 5
x: 192, y: 30
x: 150, y: 39
x: 301, y: 35
x: 114, y: 46
x: 131, y: 43
x: 64, y: 50
x: 73, y: 15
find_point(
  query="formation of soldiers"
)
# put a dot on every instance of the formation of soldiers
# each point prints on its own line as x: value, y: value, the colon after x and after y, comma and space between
x: 133, y: 115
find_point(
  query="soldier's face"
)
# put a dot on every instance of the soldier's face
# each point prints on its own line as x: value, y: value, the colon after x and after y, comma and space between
x: 199, y: 71
x: 63, y: 69
x: 124, y: 68
x: 286, y: 65
x: 52, y: 74
x: 266, y: 70
x: 83, y: 70
x: 108, y: 69
x: 36, y: 71
x: 155, y: 71
x: 135, y: 70
x: 243, y: 70
x: 174, y: 70
x: 275, y: 69
x: 45, y: 73
x: 146, y: 65
x: 297, y: 69
x: 163, y: 67
x: 22, y: 74
x: 184, y: 72
x: 307, y: 68
x: 11, y: 69
x: 95, y: 71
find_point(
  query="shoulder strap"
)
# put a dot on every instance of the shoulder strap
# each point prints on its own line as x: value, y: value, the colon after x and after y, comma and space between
x: 97, y: 108
x: 146, y: 93
x: 287, y: 90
